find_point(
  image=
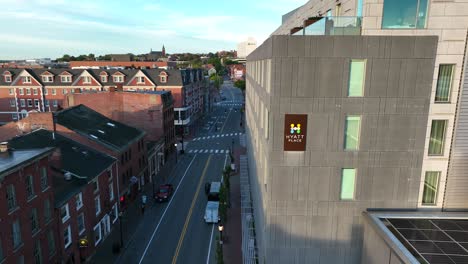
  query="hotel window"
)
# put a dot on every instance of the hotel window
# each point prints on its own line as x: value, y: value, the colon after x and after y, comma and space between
x: 348, y: 183
x: 34, y: 220
x: 404, y: 14
x: 97, y: 204
x: 26, y: 79
x: 436, y: 141
x: 47, y: 79
x: 30, y: 186
x: 357, y: 73
x: 21, y: 91
x: 86, y: 79
x: 54, y: 92
x: 12, y: 102
x: 97, y: 234
x: 79, y: 201
x: 81, y: 224
x: 35, y: 91
x: 65, y: 79
x: 163, y: 79
x: 46, y: 103
x: 444, y: 83
x: 17, y: 241
x: 11, y: 197
x: 36, y: 102
x: 7, y: 78
x: 55, y: 103
x: 51, y: 242
x: 11, y: 91
x: 141, y: 79
x: 65, y: 213
x: 47, y: 211
x: 431, y: 185
x: 28, y: 91
x: 44, y: 178
x: 67, y: 237
x: 64, y: 91
x: 46, y: 92
x: 352, y: 131
x: 111, y: 192
x: 359, y: 8
x: 103, y: 78
x: 30, y: 103
x: 118, y: 79
x: 38, y: 252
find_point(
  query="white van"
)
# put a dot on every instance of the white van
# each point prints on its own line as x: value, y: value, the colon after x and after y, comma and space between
x: 211, y: 212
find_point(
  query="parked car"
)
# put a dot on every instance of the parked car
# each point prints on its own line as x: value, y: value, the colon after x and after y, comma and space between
x: 164, y: 192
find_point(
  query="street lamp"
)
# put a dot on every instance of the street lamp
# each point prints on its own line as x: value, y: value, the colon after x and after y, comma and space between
x: 175, y: 152
x: 220, y: 228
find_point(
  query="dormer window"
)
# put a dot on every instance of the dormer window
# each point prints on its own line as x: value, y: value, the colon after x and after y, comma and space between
x: 140, y: 79
x: 8, y: 78
x: 47, y: 78
x: 65, y: 79
x: 86, y: 79
x: 26, y: 79
x: 163, y: 79
x: 103, y: 78
x: 118, y: 79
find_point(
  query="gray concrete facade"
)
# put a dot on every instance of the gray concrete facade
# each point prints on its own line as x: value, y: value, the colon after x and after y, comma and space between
x: 298, y: 212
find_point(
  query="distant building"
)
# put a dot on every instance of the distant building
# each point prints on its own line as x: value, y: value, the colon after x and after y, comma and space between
x: 123, y: 64
x: 121, y: 57
x: 246, y: 47
x: 237, y: 71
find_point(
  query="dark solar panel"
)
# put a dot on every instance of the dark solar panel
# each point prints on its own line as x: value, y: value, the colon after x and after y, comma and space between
x: 465, y: 245
x: 438, y: 259
x: 426, y: 247
x: 463, y: 224
x: 436, y: 235
x: 458, y: 236
x: 447, y: 225
x: 401, y: 223
x: 423, y: 224
x: 451, y: 248
x: 459, y: 259
x: 412, y: 234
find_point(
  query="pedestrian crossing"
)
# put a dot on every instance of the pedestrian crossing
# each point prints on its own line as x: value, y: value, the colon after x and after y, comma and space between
x: 217, y: 136
x: 208, y: 151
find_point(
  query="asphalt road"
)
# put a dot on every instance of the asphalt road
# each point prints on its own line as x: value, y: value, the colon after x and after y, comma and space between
x: 175, y: 232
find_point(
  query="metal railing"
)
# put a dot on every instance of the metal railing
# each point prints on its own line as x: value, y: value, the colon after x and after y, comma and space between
x: 249, y: 245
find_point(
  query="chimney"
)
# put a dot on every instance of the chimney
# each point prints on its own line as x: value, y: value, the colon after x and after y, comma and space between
x: 4, y: 147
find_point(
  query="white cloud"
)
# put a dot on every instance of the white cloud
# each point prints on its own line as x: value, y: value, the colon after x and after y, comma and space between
x: 152, y: 7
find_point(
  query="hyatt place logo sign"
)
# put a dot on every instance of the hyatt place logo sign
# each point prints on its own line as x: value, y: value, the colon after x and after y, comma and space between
x: 295, y: 132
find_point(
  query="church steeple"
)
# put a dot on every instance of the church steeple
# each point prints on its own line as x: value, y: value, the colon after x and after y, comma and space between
x: 163, y: 51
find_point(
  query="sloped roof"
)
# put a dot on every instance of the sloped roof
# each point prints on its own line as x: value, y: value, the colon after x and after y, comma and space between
x: 14, y: 158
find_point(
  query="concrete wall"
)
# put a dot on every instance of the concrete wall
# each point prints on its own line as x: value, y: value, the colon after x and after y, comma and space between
x: 296, y: 194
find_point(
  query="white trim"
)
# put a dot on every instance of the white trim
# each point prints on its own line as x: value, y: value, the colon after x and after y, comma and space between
x: 69, y: 237
x: 80, y: 196
x: 115, y: 208
x: 80, y: 232
x: 67, y: 216
x: 111, y: 192
x: 98, y: 208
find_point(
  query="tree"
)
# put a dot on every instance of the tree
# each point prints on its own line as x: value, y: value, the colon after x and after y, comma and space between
x: 223, y: 204
x: 219, y: 252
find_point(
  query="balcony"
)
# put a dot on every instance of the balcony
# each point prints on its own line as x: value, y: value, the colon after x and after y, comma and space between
x: 329, y: 26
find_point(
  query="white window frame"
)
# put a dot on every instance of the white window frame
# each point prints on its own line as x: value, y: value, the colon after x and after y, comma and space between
x: 7, y: 78
x: 67, y: 210
x: 86, y: 79
x: 140, y: 79
x: 111, y: 192
x: 11, y: 91
x: 28, y: 91
x: 26, y: 79
x: 68, y: 228
x: 21, y: 91
x: 95, y: 186
x: 22, y: 103
x: 11, y: 195
x: 65, y: 79
x: 12, y: 102
x: 14, y: 116
x: 64, y: 91
x: 46, y: 103
x: 118, y: 79
x: 55, y: 103
x: 100, y: 233
x: 103, y: 78
x: 36, y: 102
x: 30, y: 103
x: 97, y: 205
x: 44, y: 179
x: 115, y: 208
x: 35, y: 92
x: 46, y: 92
x: 80, y: 232
x: 163, y: 79
x: 54, y: 91
x: 79, y: 201
x: 30, y: 194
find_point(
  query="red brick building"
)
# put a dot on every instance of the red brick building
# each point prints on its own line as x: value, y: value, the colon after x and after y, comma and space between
x: 28, y: 233
x: 85, y: 192
x: 26, y: 90
x: 125, y: 64
x: 237, y: 72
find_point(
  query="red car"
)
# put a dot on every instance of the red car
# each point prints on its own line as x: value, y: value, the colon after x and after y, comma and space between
x: 164, y: 193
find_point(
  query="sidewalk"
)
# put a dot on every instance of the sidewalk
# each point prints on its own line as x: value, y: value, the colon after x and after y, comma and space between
x: 131, y: 218
x: 232, y: 251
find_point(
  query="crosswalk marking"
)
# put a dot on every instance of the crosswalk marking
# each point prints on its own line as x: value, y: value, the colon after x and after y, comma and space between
x: 190, y: 151
x: 222, y: 151
x: 216, y: 151
x: 206, y: 151
x: 196, y: 150
x: 211, y: 151
x: 217, y: 136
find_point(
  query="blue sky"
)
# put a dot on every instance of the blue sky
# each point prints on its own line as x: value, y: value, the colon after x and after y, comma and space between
x: 51, y: 28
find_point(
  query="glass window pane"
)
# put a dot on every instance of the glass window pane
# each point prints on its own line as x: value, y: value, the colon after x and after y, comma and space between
x: 357, y: 73
x: 422, y: 14
x: 400, y: 14
x: 444, y: 83
x: 359, y: 8
x: 347, y: 184
x: 436, y: 142
x: 352, y: 131
x: 431, y: 184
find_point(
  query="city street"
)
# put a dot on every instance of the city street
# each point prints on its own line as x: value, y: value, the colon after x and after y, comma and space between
x: 175, y: 232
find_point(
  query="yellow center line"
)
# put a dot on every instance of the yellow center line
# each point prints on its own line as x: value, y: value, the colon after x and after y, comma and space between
x: 187, y: 220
